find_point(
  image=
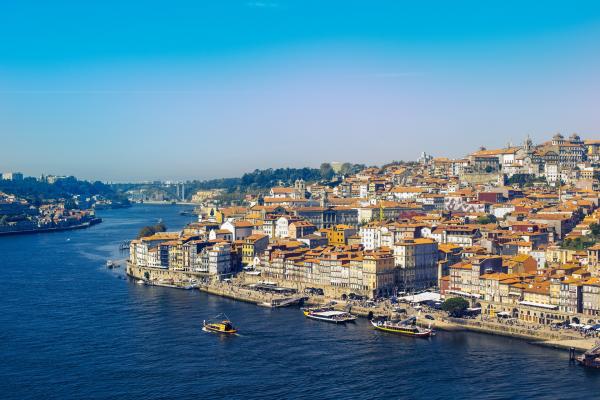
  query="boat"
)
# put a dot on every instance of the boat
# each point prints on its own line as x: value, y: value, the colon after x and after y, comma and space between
x: 406, y: 327
x: 111, y: 264
x: 282, y: 302
x: 224, y: 326
x: 590, y: 358
x: 329, y: 315
x: 140, y: 282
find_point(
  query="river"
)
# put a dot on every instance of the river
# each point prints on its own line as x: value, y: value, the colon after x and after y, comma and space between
x: 72, y: 329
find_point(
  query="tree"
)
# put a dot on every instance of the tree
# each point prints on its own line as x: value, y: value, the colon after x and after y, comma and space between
x: 455, y: 306
x: 151, y: 230
x: 346, y: 169
x: 147, y: 275
x: 486, y: 219
x: 595, y: 228
x: 489, y: 169
x: 326, y: 171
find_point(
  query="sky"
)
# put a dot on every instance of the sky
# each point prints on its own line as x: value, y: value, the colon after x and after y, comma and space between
x: 131, y: 90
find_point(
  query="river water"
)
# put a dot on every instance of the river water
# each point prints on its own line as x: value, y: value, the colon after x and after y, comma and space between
x: 70, y: 328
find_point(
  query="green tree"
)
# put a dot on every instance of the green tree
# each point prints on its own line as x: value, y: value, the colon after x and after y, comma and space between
x: 346, y: 169
x: 489, y: 169
x: 147, y: 275
x: 595, y: 228
x: 326, y: 171
x: 151, y: 230
x: 455, y: 306
x: 486, y: 219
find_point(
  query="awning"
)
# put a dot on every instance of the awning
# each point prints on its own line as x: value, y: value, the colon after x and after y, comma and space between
x: 422, y: 297
x: 503, y: 314
x: 540, y: 305
x: 463, y: 294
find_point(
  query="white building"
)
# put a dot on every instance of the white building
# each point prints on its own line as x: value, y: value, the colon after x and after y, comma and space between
x: 240, y: 230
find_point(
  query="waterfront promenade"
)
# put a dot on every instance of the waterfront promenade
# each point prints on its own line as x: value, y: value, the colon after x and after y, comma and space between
x: 537, y: 334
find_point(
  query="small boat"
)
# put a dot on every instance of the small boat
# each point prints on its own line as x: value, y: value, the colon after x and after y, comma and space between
x: 590, y: 358
x: 329, y: 315
x: 225, y: 326
x: 406, y: 327
x: 140, y: 282
x: 111, y: 264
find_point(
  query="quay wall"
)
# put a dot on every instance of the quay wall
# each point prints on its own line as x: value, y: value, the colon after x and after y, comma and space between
x: 156, y: 274
x: 545, y: 337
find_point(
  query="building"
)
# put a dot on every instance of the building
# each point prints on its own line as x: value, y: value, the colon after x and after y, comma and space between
x: 239, y: 229
x: 416, y: 263
x: 253, y: 246
x: 591, y: 297
x: 326, y: 217
x: 338, y: 235
x: 300, y: 228
x: 12, y: 176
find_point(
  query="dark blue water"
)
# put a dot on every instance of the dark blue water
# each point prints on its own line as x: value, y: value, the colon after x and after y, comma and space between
x: 69, y: 328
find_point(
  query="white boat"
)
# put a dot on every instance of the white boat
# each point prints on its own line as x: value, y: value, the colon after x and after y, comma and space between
x: 282, y: 302
x: 328, y: 315
x: 140, y: 282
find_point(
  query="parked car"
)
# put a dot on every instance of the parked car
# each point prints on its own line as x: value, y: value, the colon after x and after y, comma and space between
x: 427, y: 316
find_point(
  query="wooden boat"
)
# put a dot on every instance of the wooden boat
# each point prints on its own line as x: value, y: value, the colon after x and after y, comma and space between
x: 406, y: 327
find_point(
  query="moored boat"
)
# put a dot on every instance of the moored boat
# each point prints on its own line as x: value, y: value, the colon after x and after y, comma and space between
x: 406, y: 327
x: 328, y: 315
x: 590, y: 358
x: 111, y: 264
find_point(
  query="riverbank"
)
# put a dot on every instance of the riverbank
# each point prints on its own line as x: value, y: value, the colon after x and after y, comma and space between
x: 538, y: 335
x: 84, y: 225
x: 542, y: 336
x: 239, y: 289
x: 167, y: 203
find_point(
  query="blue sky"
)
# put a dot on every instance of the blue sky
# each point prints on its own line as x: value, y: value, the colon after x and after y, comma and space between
x: 123, y: 90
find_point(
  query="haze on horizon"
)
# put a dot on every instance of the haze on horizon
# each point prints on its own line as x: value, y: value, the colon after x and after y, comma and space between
x: 186, y: 90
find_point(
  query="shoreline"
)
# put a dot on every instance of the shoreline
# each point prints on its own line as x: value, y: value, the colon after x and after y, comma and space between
x: 532, y: 335
x: 84, y: 225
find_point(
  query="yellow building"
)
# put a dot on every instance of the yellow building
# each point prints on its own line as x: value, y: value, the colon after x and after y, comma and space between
x: 379, y: 272
x: 338, y: 235
x: 253, y: 246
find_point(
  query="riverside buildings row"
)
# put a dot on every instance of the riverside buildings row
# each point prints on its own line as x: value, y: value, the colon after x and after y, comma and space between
x: 18, y: 215
x: 513, y: 230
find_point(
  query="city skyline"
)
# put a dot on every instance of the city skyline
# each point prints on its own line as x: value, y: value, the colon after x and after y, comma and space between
x: 128, y: 94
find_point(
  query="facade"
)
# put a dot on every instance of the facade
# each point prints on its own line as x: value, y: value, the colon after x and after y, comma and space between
x: 326, y: 217
x: 416, y: 263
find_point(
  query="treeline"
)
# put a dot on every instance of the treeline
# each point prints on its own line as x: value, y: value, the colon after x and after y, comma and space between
x: 271, y: 177
x: 38, y: 190
x: 266, y: 178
